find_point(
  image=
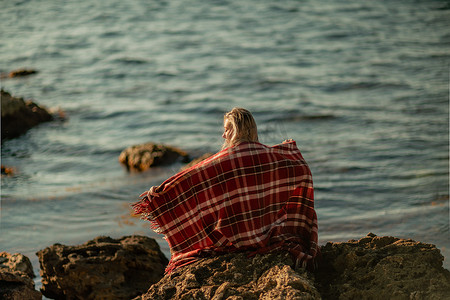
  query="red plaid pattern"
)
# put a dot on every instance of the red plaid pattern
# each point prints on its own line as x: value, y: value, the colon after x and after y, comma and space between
x: 249, y: 197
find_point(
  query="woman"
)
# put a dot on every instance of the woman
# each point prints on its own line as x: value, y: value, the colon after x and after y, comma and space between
x: 247, y: 197
x: 239, y: 126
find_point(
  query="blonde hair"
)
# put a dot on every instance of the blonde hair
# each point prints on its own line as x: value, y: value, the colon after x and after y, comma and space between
x: 243, y: 127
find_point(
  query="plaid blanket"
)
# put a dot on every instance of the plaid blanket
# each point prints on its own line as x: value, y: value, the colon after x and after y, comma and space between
x: 249, y: 197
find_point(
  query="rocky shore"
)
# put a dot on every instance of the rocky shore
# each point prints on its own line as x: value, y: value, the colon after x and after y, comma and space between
x: 382, y: 268
x: 145, y: 156
x: 103, y: 268
x: 132, y: 267
x: 370, y: 268
x: 16, y: 277
x: 19, y: 115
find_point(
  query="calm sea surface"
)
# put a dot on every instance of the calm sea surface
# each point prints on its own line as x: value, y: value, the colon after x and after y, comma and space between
x: 363, y: 87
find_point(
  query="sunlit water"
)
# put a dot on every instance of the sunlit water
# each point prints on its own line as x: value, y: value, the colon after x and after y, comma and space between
x: 361, y: 86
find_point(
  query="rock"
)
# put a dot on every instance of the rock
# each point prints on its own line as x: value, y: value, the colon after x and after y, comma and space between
x: 21, y: 73
x: 17, y: 285
x: 370, y: 268
x: 18, y: 116
x: 382, y: 268
x: 145, y: 156
x: 103, y: 268
x: 16, y: 262
x: 16, y: 273
x: 236, y: 276
x: 7, y: 171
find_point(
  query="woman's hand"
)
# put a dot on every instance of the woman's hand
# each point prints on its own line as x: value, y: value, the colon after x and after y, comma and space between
x: 152, y: 191
x: 288, y: 141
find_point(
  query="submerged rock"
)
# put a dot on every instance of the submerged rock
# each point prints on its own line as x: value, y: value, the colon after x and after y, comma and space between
x: 145, y: 156
x: 18, y: 115
x: 236, y: 276
x: 103, y: 268
x: 16, y: 273
x: 21, y: 73
x: 8, y: 171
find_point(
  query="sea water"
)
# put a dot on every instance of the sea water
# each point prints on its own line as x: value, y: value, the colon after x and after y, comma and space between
x: 361, y: 86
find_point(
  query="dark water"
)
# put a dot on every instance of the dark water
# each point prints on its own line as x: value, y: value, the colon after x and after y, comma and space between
x: 361, y: 86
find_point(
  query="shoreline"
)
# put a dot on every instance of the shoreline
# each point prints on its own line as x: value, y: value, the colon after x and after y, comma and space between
x: 355, y: 258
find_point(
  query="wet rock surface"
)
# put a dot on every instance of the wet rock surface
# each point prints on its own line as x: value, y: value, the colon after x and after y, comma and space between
x: 19, y: 115
x: 103, y: 268
x: 16, y: 275
x: 8, y: 171
x: 22, y: 73
x: 142, y: 157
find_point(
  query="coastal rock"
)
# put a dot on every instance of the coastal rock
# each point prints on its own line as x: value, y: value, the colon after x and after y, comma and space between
x: 370, y: 268
x: 18, y: 115
x: 17, y: 285
x: 8, y: 171
x: 16, y: 262
x: 21, y: 73
x: 236, y: 276
x: 145, y: 156
x: 103, y: 268
x: 16, y: 275
x: 382, y: 268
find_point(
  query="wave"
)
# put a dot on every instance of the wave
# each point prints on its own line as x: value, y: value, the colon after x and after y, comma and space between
x: 364, y: 85
x: 131, y: 61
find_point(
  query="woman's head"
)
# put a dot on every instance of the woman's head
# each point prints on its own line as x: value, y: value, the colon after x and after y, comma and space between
x: 239, y: 126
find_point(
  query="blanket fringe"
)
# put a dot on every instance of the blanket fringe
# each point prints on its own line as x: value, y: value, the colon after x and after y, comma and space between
x: 141, y: 208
